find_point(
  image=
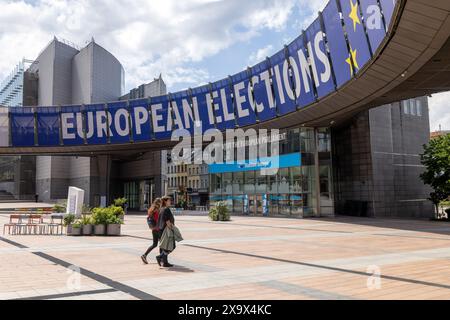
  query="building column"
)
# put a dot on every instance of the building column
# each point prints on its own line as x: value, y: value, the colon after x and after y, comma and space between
x: 317, y: 172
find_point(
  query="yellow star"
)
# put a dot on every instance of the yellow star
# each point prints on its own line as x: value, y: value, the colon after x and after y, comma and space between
x: 354, y: 14
x: 352, y: 56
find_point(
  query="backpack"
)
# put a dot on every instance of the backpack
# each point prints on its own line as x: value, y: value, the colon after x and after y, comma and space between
x: 152, y: 223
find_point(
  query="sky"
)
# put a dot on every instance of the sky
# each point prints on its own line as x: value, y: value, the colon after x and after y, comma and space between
x: 191, y: 42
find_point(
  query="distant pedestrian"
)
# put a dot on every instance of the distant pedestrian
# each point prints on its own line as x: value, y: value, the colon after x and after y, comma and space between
x: 166, y: 220
x: 152, y: 221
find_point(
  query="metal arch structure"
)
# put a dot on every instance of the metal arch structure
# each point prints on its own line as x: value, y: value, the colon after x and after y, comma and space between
x: 320, y: 79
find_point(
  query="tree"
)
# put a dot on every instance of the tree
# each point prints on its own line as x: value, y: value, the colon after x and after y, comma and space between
x: 436, y: 159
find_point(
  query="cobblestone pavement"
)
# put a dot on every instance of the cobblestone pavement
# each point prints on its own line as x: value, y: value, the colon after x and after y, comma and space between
x: 247, y: 258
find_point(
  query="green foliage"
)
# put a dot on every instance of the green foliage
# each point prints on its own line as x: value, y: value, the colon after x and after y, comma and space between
x: 120, y: 202
x: 109, y: 215
x: 87, y: 220
x: 69, y: 219
x: 60, y: 207
x: 436, y: 159
x: 113, y: 219
x: 77, y: 224
x: 219, y: 212
x: 100, y: 215
x: 117, y: 211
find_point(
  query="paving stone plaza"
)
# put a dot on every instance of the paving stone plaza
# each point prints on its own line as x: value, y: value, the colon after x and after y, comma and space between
x: 247, y: 258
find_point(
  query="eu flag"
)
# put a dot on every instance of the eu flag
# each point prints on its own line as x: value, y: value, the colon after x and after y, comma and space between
x: 359, y: 48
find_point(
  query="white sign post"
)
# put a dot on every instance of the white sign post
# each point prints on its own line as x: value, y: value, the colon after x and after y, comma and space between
x: 75, y: 201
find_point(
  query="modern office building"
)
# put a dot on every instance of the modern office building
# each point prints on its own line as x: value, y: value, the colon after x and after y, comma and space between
x: 18, y: 89
x: 66, y: 74
x: 368, y: 166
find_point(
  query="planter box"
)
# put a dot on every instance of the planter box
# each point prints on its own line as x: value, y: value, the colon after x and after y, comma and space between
x: 87, y: 230
x: 71, y: 231
x: 114, y: 229
x: 100, y: 230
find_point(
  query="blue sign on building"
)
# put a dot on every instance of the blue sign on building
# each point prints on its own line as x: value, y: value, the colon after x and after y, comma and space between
x: 334, y: 48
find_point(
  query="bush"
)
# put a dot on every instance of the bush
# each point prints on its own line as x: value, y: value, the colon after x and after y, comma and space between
x: 110, y: 215
x: 117, y: 211
x: 219, y: 212
x: 113, y: 219
x: 86, y: 220
x: 100, y: 215
x: 69, y: 219
x: 77, y: 224
x: 120, y: 202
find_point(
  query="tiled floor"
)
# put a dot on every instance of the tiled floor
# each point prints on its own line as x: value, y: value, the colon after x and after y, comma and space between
x: 248, y: 258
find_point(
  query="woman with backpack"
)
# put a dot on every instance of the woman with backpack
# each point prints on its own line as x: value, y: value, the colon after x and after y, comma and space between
x: 152, y: 221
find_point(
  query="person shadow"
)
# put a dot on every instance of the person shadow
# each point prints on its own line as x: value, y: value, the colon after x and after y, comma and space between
x: 180, y: 269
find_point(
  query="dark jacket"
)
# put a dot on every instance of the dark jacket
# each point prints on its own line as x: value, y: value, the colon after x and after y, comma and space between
x: 164, y: 216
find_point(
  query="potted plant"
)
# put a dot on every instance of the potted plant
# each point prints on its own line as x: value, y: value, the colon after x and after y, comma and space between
x: 76, y: 228
x: 87, y: 224
x: 114, y: 224
x: 122, y: 202
x: 118, y: 212
x: 99, y: 218
x: 68, y: 221
x: 219, y: 212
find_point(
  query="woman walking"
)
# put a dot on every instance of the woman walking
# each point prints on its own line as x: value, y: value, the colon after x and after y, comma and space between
x: 166, y: 220
x: 152, y: 221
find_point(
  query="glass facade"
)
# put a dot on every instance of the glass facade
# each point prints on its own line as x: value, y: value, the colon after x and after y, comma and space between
x: 292, y: 191
x: 11, y: 88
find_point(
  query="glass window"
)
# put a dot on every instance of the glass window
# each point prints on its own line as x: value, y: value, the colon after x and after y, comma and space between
x: 419, y: 107
x: 412, y: 107
x: 249, y: 182
x: 405, y: 104
x: 261, y: 183
x: 297, y: 204
x: 283, y: 180
x: 238, y: 183
x: 228, y: 183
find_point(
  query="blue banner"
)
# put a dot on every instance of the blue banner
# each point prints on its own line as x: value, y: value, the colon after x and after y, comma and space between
x: 120, y: 122
x: 373, y: 21
x: 302, y: 80
x: 72, y: 126
x: 97, y: 126
x: 336, y: 43
x: 320, y: 63
x: 388, y: 6
x: 282, y: 161
x: 202, y: 109
x: 48, y: 126
x: 140, y: 120
x: 246, y: 115
x: 162, y: 121
x: 359, y: 48
x: 183, y: 115
x: 223, y: 105
x: 22, y: 126
x: 280, y: 74
x: 264, y: 99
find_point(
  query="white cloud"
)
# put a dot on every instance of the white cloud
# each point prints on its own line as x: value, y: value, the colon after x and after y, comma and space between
x: 260, y: 55
x: 148, y: 37
x: 440, y: 111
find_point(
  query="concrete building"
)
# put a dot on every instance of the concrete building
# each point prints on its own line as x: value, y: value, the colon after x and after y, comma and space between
x: 153, y: 89
x: 67, y: 76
